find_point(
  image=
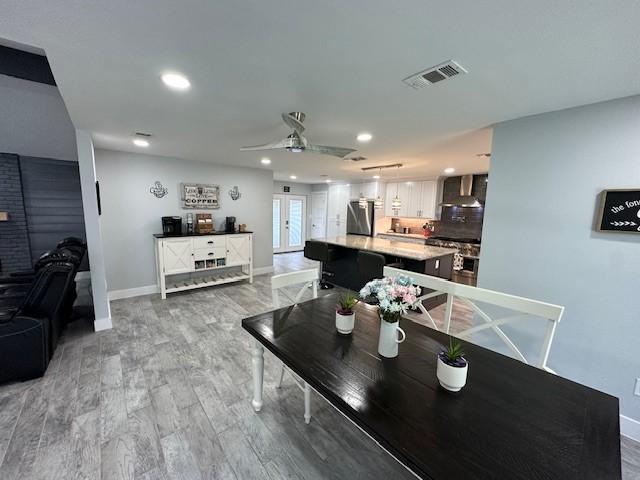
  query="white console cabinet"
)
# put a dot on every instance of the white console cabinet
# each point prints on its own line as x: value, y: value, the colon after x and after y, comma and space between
x: 188, y: 262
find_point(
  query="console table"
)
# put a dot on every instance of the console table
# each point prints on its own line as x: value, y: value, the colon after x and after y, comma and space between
x: 188, y: 261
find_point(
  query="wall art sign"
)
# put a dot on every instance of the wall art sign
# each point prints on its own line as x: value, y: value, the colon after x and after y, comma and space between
x: 234, y: 193
x: 198, y: 195
x: 619, y: 211
x: 158, y: 190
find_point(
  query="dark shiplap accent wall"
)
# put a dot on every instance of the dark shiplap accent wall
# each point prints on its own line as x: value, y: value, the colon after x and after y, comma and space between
x: 25, y: 65
x: 472, y: 226
x: 14, y: 239
x: 52, y: 200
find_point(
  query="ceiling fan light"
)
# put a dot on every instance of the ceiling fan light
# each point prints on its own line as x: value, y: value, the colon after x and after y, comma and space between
x: 295, y: 150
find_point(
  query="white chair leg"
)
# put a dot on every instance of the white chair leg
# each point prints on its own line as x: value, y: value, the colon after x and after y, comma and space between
x: 279, y: 384
x: 307, y: 403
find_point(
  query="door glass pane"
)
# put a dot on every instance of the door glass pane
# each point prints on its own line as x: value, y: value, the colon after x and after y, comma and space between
x: 295, y: 223
x: 276, y: 223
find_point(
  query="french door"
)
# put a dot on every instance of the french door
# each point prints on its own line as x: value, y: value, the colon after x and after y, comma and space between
x: 289, y: 222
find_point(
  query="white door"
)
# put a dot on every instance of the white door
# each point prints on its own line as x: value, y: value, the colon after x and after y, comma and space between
x: 238, y: 249
x: 177, y: 256
x: 289, y: 222
x: 318, y: 214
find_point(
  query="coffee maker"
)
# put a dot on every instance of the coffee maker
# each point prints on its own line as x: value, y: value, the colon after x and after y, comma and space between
x: 172, y: 225
x: 230, y: 225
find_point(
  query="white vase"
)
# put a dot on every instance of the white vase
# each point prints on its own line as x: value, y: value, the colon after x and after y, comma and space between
x: 451, y: 378
x: 388, y: 340
x: 345, y: 323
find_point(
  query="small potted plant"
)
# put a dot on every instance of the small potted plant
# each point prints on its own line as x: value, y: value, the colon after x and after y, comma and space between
x: 452, y: 367
x: 345, y: 316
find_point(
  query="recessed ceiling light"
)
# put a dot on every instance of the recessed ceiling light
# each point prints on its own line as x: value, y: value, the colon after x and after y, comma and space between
x: 265, y: 161
x: 449, y: 170
x: 328, y: 180
x: 176, y: 81
x: 376, y: 176
x: 140, y: 142
x: 292, y: 177
x: 364, y: 137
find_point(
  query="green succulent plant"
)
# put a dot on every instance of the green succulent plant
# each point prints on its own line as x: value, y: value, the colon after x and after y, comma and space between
x: 346, y: 303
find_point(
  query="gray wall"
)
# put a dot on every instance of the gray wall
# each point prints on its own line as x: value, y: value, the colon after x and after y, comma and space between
x: 539, y: 242
x: 34, y: 120
x: 131, y: 214
x: 14, y: 238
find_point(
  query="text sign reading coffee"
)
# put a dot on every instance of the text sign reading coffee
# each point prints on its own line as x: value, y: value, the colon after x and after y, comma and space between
x: 620, y: 211
x: 197, y: 195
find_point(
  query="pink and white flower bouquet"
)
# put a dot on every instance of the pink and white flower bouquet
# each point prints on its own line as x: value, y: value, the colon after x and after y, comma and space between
x: 395, y: 295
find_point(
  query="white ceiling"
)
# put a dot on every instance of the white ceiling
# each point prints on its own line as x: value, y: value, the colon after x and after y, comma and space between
x: 340, y: 62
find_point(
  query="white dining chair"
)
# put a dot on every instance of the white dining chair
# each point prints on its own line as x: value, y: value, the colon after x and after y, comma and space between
x: 282, y: 286
x: 524, y: 310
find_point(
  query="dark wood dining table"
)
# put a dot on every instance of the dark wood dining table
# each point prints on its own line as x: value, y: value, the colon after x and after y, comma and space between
x: 511, y: 420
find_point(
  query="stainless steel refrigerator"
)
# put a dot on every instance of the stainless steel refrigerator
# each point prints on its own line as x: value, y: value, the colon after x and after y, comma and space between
x: 360, y: 220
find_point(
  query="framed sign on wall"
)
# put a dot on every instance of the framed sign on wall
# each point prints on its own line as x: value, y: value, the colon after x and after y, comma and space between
x: 198, y: 195
x: 619, y: 211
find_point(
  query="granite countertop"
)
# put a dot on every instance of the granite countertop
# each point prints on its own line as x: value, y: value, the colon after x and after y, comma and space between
x: 412, y: 251
x: 184, y: 234
x: 406, y: 235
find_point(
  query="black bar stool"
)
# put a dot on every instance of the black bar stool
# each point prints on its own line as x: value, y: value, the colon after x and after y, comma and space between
x: 323, y: 253
x: 371, y: 265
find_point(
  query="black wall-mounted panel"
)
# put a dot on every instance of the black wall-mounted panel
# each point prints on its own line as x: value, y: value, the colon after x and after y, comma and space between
x: 25, y: 65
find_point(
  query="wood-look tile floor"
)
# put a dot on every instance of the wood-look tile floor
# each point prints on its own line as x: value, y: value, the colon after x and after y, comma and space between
x: 165, y: 395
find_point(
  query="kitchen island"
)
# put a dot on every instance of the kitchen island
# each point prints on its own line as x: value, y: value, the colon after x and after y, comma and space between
x: 343, y: 270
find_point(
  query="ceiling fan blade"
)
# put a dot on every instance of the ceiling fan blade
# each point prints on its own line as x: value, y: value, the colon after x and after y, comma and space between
x: 293, y: 123
x: 335, y: 151
x: 268, y: 146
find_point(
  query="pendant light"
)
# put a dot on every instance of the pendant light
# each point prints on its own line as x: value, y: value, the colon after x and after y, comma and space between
x: 396, y: 203
x: 378, y: 202
x: 362, y: 201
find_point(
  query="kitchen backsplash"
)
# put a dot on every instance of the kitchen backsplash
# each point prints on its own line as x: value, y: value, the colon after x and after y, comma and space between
x: 461, y: 221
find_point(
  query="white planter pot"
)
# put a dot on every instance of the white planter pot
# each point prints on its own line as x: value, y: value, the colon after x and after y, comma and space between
x: 388, y: 340
x: 345, y: 323
x: 451, y: 378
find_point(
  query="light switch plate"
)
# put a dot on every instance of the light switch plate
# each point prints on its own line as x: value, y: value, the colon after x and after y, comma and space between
x: 636, y: 391
x: 4, y: 216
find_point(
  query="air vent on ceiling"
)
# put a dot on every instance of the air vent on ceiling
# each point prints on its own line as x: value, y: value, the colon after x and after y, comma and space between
x: 142, y: 134
x: 435, y: 74
x: 356, y: 159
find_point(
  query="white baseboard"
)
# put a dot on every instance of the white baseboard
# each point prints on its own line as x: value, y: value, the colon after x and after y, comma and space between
x: 133, y: 292
x: 263, y: 270
x: 630, y: 427
x: 102, y: 324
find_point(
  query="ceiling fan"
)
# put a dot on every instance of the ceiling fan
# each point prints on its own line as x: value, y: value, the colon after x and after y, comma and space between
x: 296, y: 143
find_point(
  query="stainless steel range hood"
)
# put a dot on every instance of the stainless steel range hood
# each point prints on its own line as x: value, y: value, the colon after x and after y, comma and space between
x: 466, y: 198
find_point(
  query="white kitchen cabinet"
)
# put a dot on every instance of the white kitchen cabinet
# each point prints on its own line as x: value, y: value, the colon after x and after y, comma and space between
x: 238, y: 249
x: 402, y: 189
x: 370, y: 190
x: 429, y: 199
x: 418, y: 199
x: 337, y: 210
x: 202, y: 261
x: 177, y: 256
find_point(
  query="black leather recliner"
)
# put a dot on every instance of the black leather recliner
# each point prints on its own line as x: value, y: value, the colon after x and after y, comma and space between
x: 29, y: 336
x: 14, y: 289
